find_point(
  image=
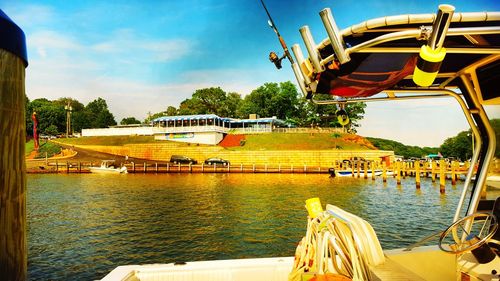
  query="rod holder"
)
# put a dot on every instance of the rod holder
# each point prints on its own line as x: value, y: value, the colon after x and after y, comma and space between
x: 314, y: 55
x: 432, y: 55
x: 300, y: 79
x: 336, y: 39
x: 440, y: 26
x: 303, y: 64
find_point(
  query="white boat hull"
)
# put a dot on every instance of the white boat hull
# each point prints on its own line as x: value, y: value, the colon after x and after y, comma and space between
x: 101, y: 170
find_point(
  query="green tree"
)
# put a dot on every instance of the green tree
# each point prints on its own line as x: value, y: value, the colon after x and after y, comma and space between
x: 101, y: 117
x: 271, y: 99
x: 48, y: 113
x: 171, y: 111
x: 129, y: 121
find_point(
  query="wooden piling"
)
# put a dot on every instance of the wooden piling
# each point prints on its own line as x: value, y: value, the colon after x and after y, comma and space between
x: 67, y: 167
x: 442, y: 176
x: 133, y: 167
x: 433, y: 170
x: 453, y: 173
x: 384, y: 172
x: 365, y: 166
x: 398, y: 173
x: 417, y: 174
x: 156, y: 167
x: 145, y: 167
x: 13, y: 247
x: 373, y: 166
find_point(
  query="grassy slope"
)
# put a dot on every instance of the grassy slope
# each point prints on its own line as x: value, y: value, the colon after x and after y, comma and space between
x: 275, y: 141
x: 45, y: 147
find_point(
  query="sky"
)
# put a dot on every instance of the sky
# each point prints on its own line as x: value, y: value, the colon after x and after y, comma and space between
x: 143, y: 56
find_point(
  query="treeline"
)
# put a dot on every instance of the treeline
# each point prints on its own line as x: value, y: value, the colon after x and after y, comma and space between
x: 271, y: 99
x: 459, y: 146
x: 406, y: 151
x: 52, y: 115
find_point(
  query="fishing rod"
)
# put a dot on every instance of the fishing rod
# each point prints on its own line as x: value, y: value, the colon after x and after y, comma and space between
x: 273, y: 57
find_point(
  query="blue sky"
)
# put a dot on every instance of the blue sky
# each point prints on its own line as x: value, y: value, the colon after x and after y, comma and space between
x: 143, y: 56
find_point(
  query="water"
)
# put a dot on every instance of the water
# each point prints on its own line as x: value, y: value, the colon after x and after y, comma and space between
x: 80, y: 227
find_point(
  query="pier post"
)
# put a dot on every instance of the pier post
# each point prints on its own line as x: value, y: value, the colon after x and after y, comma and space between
x: 433, y: 170
x: 133, y: 167
x: 365, y: 167
x: 241, y: 167
x: 453, y: 173
x: 373, y: 167
x: 417, y: 174
x: 442, y: 176
x: 384, y: 172
x: 79, y: 167
x: 215, y: 167
x: 352, y: 168
x: 202, y: 167
x: 168, y: 167
x: 398, y: 172
x: 253, y: 168
x: 229, y: 167
x: 156, y: 167
x: 305, y: 168
x: 57, y: 166
x: 67, y: 167
x: 145, y: 168
x: 13, y: 245
x: 279, y: 168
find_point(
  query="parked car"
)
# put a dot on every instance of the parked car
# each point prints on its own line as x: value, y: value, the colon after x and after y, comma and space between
x: 353, y: 161
x: 176, y: 159
x: 218, y: 161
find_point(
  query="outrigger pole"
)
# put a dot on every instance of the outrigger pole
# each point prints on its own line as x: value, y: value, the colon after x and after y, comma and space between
x: 273, y: 57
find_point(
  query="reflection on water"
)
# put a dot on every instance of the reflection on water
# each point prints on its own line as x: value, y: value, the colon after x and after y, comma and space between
x: 82, y: 226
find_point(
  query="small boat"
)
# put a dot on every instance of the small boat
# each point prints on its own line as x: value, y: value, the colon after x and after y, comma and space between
x: 349, y: 173
x: 108, y: 167
x: 493, y: 181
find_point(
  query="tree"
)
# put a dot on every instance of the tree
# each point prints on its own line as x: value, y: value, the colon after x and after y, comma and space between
x: 171, y: 111
x: 101, y: 117
x: 271, y: 99
x: 211, y: 101
x: 129, y: 121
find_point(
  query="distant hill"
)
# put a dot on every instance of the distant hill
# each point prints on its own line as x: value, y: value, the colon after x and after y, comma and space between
x: 400, y: 149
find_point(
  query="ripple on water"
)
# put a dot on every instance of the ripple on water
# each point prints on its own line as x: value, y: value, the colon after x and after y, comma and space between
x: 82, y: 226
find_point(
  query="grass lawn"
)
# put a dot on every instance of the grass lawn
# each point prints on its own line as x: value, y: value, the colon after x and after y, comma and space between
x: 45, y: 147
x: 299, y: 141
x: 273, y: 141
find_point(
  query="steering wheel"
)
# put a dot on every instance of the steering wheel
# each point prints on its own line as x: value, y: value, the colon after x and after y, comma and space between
x: 465, y: 227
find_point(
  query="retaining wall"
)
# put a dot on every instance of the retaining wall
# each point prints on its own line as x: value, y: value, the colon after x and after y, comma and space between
x: 163, y: 151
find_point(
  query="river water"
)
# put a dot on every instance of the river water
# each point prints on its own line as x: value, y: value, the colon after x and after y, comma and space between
x: 81, y: 226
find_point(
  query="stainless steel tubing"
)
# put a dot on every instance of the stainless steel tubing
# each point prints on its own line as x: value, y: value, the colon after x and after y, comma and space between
x: 300, y: 79
x: 314, y: 56
x: 336, y: 38
x: 440, y: 26
x: 300, y: 60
